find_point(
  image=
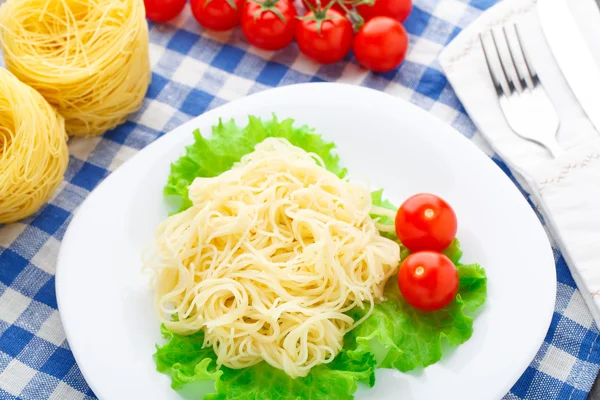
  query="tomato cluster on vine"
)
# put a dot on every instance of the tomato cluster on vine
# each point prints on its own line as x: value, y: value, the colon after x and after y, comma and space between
x: 326, y: 32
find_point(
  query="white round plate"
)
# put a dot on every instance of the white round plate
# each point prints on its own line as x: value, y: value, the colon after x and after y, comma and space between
x: 106, y: 303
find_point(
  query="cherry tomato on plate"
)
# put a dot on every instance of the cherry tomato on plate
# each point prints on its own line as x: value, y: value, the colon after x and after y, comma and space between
x: 163, y: 10
x: 396, y: 9
x: 325, y: 3
x: 324, y: 36
x: 218, y: 15
x: 426, y: 222
x: 428, y: 280
x: 269, y: 24
x: 381, y: 44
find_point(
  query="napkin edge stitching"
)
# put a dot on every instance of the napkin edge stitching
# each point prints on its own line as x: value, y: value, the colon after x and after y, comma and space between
x: 468, y: 47
x: 567, y: 169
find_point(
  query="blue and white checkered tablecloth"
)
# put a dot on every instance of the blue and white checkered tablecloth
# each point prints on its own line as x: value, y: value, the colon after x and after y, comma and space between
x: 195, y: 70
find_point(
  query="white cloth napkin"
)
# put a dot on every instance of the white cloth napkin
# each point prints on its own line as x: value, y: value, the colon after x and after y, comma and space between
x: 566, y: 190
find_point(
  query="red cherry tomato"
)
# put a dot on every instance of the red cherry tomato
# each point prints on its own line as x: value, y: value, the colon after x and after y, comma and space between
x: 331, y: 43
x: 218, y: 15
x: 426, y: 222
x: 428, y: 280
x: 325, y: 3
x: 163, y: 10
x: 396, y: 9
x: 270, y: 24
x: 381, y: 44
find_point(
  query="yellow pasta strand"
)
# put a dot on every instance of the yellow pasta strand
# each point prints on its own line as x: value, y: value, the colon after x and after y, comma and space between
x: 88, y: 58
x: 33, y: 149
x: 269, y: 259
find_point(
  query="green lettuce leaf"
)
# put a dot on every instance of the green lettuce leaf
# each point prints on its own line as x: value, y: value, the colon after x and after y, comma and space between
x: 404, y: 338
x: 184, y: 359
x: 378, y: 200
x: 209, y: 157
x: 473, y: 286
x: 395, y: 335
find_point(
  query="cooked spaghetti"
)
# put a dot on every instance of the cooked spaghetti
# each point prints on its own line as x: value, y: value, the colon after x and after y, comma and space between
x: 33, y: 149
x: 269, y: 259
x: 88, y: 58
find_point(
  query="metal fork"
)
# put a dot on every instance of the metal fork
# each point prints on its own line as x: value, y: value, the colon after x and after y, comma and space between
x: 522, y: 97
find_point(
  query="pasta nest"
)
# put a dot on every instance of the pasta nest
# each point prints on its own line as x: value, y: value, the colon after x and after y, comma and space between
x: 269, y: 260
x: 33, y: 149
x: 88, y: 58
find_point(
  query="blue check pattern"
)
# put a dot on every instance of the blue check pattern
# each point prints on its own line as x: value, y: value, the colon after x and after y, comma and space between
x: 193, y: 71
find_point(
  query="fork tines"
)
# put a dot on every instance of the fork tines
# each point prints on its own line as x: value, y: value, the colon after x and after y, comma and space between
x: 521, y: 96
x: 518, y: 65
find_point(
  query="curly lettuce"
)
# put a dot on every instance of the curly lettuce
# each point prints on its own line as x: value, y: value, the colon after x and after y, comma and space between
x: 184, y: 358
x: 395, y: 335
x: 229, y: 143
